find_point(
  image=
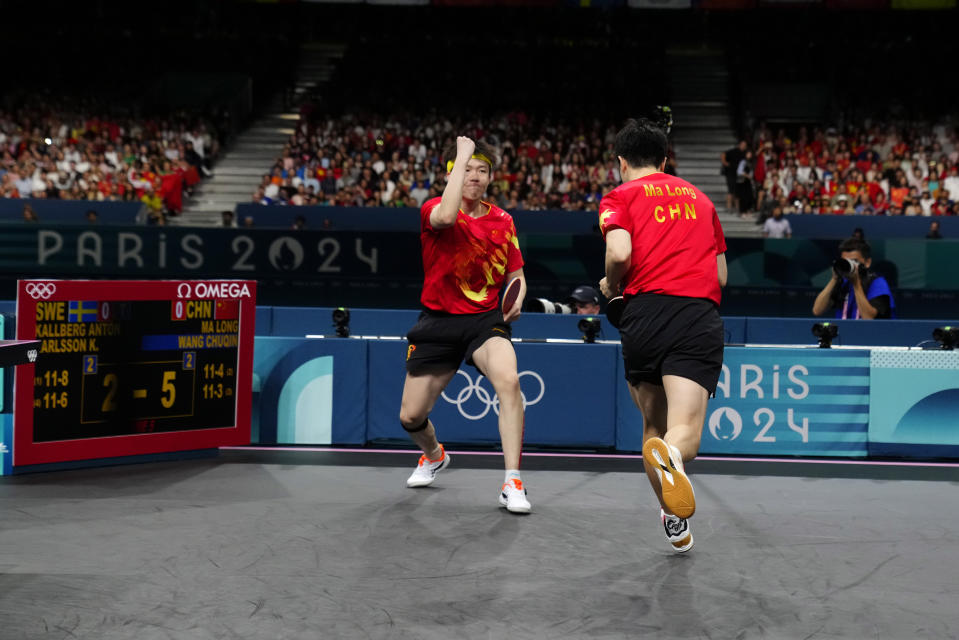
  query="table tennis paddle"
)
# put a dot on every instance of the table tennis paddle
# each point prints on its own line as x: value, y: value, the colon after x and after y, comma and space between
x: 510, y: 293
x: 614, y: 310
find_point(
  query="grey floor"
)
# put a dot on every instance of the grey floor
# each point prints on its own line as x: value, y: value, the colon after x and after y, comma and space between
x: 240, y: 548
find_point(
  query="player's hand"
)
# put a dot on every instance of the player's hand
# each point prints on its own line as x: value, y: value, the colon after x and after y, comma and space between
x: 513, y: 313
x: 606, y: 290
x: 464, y: 148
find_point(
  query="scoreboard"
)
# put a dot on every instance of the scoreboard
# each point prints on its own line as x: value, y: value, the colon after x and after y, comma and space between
x: 132, y: 367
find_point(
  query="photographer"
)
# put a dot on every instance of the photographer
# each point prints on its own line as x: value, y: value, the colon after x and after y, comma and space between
x: 585, y: 300
x: 855, y: 292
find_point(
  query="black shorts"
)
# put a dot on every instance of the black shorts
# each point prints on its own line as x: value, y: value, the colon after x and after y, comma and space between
x: 672, y: 335
x: 440, y: 341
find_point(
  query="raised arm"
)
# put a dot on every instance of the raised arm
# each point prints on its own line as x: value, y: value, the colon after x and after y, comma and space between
x: 444, y: 215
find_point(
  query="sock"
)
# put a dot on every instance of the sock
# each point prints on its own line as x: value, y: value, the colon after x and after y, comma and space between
x: 511, y: 474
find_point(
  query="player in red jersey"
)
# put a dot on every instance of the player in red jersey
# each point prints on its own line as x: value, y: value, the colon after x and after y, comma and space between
x: 665, y: 254
x: 470, y: 250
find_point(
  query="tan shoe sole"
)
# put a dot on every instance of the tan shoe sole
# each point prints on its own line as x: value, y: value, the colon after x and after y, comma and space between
x: 677, y: 490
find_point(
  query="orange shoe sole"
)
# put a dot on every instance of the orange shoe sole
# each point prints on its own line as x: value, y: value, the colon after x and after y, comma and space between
x: 677, y: 490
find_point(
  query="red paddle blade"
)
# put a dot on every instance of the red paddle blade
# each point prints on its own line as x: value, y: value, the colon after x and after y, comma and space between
x: 614, y: 310
x: 510, y: 293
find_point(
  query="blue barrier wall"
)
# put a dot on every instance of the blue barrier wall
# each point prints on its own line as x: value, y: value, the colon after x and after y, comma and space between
x: 309, y: 391
x: 6, y: 437
x: 565, y: 386
x: 770, y: 401
x: 840, y: 227
x: 299, y: 321
x: 915, y: 402
x: 874, y: 333
x: 71, y: 211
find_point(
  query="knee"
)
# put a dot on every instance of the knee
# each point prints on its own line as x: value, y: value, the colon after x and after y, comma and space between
x: 507, y: 386
x: 411, y: 420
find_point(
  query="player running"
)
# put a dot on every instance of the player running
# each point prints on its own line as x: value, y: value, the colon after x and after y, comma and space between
x: 665, y: 253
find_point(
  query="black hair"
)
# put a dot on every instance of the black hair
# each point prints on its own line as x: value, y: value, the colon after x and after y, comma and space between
x: 642, y: 143
x: 855, y: 244
x: 482, y: 148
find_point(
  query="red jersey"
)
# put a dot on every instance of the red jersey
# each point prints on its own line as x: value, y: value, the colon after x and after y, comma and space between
x: 465, y: 265
x: 675, y: 234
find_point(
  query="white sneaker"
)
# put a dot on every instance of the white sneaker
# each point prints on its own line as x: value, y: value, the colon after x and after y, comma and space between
x: 426, y: 470
x: 513, y: 497
x: 678, y: 532
x: 677, y: 490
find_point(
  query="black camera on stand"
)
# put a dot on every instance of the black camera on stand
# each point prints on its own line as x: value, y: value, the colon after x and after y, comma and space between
x: 947, y: 337
x: 826, y: 332
x: 590, y: 327
x: 341, y: 321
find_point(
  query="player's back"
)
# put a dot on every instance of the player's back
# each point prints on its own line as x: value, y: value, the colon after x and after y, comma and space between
x: 675, y: 235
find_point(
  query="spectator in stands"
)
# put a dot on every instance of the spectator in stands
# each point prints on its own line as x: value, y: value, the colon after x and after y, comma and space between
x: 227, y: 219
x: 881, y: 205
x: 777, y: 226
x: 943, y: 206
x: 730, y: 160
x: 842, y: 206
x: 259, y: 197
x: 863, y: 206
x: 80, y: 154
x: 91, y: 216
x: 934, y: 233
x: 853, y: 291
x: 29, y: 215
x: 744, y: 184
x: 925, y: 203
x: 951, y: 182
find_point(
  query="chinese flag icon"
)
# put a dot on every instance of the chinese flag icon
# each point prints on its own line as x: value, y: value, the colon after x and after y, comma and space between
x: 227, y: 310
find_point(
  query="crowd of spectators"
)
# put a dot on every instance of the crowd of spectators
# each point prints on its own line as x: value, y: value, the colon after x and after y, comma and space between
x: 357, y: 161
x: 872, y: 169
x: 70, y: 153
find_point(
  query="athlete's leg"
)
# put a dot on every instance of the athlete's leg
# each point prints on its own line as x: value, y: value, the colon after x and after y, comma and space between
x: 420, y: 393
x: 651, y: 401
x: 686, y: 402
x: 675, y: 413
x: 496, y: 359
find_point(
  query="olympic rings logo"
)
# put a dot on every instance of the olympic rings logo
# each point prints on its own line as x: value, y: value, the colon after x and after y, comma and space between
x: 40, y: 290
x: 487, y: 399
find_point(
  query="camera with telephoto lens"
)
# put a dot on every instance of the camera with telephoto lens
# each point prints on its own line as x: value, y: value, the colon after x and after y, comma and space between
x: 844, y: 266
x: 542, y: 305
